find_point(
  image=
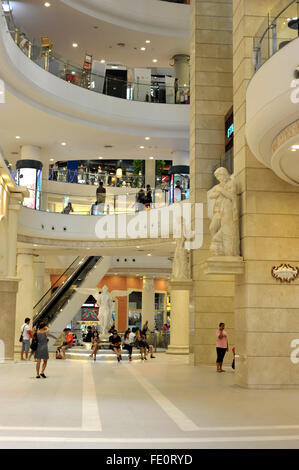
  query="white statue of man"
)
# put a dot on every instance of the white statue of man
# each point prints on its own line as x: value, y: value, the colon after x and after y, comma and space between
x: 180, y: 267
x: 224, y: 227
x: 104, y: 300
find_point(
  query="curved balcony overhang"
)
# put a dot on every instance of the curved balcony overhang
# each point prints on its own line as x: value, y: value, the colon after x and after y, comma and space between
x: 148, y: 16
x: 53, y: 95
x: 272, y: 107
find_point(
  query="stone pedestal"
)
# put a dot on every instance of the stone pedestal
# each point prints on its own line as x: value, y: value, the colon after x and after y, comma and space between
x: 8, y: 293
x: 180, y: 321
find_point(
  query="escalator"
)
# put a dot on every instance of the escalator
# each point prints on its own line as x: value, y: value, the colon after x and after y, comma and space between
x: 61, y: 302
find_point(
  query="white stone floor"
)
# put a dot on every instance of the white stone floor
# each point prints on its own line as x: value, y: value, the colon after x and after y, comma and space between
x: 163, y: 403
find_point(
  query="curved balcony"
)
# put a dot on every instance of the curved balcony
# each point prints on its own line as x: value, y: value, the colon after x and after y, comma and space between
x: 272, y: 121
x: 148, y: 16
x: 82, y: 104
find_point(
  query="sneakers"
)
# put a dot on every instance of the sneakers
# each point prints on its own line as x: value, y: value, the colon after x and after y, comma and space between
x: 43, y: 376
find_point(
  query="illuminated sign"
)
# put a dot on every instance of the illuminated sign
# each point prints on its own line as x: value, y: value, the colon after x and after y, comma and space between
x: 230, y: 131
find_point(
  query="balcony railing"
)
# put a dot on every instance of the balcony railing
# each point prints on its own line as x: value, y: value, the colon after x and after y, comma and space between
x: 46, y: 58
x: 278, y: 28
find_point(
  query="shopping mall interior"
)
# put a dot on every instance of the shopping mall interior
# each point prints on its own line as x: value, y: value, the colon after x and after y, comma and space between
x: 149, y: 187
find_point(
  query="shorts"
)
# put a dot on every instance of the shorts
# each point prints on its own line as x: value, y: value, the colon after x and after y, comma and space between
x: 114, y: 347
x: 220, y: 354
x: 25, y: 344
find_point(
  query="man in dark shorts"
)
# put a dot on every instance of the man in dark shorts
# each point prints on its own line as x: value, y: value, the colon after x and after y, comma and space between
x: 115, y: 344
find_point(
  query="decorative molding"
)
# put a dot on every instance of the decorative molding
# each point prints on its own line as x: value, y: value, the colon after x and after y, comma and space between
x: 224, y: 265
x: 285, y: 272
x: 286, y: 134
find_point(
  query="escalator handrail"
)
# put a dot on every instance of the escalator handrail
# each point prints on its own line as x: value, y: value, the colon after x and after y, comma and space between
x: 57, y: 280
x: 69, y: 280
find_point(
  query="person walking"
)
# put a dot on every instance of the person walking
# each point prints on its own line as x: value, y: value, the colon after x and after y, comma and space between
x: 26, y: 334
x: 148, y: 197
x: 95, y: 344
x: 42, y: 352
x: 221, y: 346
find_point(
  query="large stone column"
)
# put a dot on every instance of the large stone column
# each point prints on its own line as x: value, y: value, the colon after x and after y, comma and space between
x: 266, y: 310
x: 39, y: 278
x: 14, y: 208
x: 211, y: 98
x: 180, y: 320
x: 150, y: 173
x: 8, y: 292
x: 181, y: 69
x: 25, y: 293
x: 148, y: 302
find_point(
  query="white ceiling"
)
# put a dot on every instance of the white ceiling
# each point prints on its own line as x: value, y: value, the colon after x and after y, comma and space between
x: 36, y: 127
x: 65, y: 25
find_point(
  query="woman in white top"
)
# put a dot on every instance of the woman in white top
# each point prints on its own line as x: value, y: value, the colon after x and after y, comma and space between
x: 127, y: 343
x: 95, y: 344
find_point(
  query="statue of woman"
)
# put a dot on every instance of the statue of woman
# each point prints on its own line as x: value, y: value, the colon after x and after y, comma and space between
x: 224, y: 227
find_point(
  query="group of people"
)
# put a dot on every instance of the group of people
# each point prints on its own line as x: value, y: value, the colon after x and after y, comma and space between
x: 136, y: 338
x: 38, y: 336
x: 144, y: 199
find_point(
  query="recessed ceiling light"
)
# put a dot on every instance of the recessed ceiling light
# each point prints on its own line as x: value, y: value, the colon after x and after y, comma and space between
x: 142, y: 48
x: 295, y: 147
x: 151, y: 158
x: 141, y: 147
x: 149, y: 254
x: 147, y: 41
x: 147, y: 138
x: 75, y: 44
x: 155, y: 60
x: 103, y: 61
x: 51, y: 159
x: 47, y: 4
x: 293, y: 150
x: 18, y: 137
x: 63, y: 144
x: 100, y: 158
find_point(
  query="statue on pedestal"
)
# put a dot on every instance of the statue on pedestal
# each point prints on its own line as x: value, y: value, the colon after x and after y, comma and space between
x: 224, y: 227
x: 104, y: 301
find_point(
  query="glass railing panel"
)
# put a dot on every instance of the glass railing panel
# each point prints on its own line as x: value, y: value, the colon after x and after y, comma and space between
x: 72, y: 204
x: 278, y: 28
x: 82, y: 176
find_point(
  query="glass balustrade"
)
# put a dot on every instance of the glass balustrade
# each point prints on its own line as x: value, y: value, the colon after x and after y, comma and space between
x: 42, y: 53
x: 83, y: 176
x: 279, y: 27
x: 75, y: 204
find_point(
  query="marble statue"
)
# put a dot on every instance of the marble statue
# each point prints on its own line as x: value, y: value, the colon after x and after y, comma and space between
x: 180, y: 266
x: 104, y: 301
x: 224, y: 227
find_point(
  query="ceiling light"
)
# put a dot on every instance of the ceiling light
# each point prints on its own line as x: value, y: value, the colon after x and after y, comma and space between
x: 142, y: 48
x: 296, y: 147
x: 151, y: 158
x: 63, y: 144
x: 147, y: 138
x: 75, y: 44
x: 155, y: 60
x: 47, y: 4
x: 149, y: 254
x: 100, y: 158
x: 147, y: 41
x: 18, y: 137
x: 141, y: 147
x: 293, y: 150
x: 51, y: 159
x: 114, y: 66
x: 103, y: 61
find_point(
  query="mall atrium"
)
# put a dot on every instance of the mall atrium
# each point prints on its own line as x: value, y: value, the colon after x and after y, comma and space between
x: 149, y: 182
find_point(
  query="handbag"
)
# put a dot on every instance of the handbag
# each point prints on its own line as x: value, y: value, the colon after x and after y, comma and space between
x: 21, y: 337
x: 34, y: 342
